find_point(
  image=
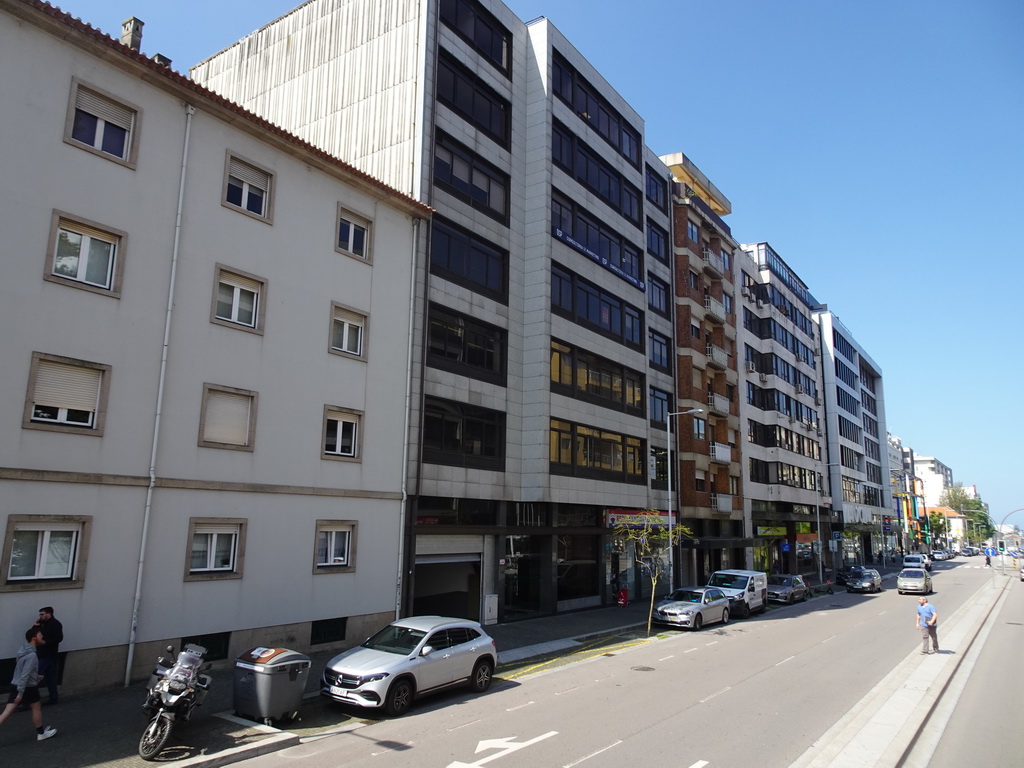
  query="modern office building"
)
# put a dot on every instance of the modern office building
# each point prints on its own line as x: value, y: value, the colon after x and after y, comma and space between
x: 858, y: 462
x: 543, y: 328
x: 203, y: 373
x: 706, y: 356
x: 782, y: 415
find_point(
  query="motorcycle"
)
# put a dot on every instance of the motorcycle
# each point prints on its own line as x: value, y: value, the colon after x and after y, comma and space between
x: 174, y: 691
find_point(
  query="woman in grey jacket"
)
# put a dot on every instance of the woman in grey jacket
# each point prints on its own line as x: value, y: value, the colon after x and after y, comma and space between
x: 25, y: 684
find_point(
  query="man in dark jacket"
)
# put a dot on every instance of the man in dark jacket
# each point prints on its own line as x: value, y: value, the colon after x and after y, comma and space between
x: 53, y: 634
x: 25, y: 684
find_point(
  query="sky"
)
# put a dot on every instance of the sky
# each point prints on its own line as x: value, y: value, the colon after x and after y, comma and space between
x: 876, y: 145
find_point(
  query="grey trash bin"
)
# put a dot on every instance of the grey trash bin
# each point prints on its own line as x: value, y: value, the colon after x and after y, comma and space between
x: 269, y: 683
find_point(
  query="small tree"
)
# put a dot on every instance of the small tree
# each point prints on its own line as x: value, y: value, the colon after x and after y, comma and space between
x: 652, y: 545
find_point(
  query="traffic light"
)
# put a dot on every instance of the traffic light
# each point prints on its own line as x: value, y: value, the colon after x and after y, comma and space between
x: 1002, y: 545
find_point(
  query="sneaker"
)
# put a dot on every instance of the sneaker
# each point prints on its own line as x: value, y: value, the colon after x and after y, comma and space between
x: 47, y: 733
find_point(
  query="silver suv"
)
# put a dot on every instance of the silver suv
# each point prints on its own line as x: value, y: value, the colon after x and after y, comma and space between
x: 410, y: 658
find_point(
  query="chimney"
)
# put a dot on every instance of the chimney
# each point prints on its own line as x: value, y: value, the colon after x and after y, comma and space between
x: 131, y: 33
x: 162, y: 60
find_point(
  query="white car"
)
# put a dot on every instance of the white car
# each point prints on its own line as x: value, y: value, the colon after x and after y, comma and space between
x: 410, y: 658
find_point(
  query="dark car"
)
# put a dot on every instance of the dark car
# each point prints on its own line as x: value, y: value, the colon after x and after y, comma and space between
x: 786, y: 588
x: 849, y: 571
x: 869, y: 580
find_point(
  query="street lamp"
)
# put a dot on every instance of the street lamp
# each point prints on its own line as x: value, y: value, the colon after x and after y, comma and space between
x: 671, y: 503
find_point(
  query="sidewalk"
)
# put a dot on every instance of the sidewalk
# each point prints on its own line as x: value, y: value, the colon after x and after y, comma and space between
x: 104, y: 728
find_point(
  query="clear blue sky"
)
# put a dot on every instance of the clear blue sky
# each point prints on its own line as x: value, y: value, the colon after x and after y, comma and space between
x: 876, y: 144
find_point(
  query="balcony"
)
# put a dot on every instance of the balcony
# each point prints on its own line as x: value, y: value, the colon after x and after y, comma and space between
x: 714, y: 309
x: 717, y: 357
x: 720, y: 452
x: 721, y: 502
x: 718, y: 403
x: 713, y: 263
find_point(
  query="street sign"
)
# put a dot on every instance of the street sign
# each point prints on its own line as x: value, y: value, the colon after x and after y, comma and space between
x: 990, y: 551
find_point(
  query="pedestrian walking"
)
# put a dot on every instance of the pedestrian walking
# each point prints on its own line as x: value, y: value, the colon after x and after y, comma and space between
x: 927, y: 622
x: 25, y: 684
x: 53, y: 635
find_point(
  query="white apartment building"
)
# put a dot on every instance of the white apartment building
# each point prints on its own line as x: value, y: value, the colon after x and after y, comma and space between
x: 543, y: 321
x: 203, y: 369
x: 782, y: 413
x: 935, y: 475
x: 858, y: 462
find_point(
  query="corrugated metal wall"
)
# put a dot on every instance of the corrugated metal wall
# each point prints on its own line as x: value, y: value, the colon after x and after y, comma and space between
x: 366, y: 117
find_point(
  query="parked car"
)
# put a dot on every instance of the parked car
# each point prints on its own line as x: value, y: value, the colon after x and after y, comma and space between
x: 410, y: 658
x: 747, y: 590
x: 869, y: 580
x: 787, y: 588
x: 914, y: 580
x: 692, y: 608
x: 847, y: 572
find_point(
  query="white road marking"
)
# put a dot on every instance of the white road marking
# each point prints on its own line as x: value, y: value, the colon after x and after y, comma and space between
x: 665, y: 658
x: 689, y: 650
x: 785, y: 660
x: 513, y: 709
x: 718, y: 693
x: 505, y: 746
x: 567, y: 690
x: 700, y: 764
x: 462, y: 726
x: 713, y: 642
x: 829, y: 638
x: 592, y: 754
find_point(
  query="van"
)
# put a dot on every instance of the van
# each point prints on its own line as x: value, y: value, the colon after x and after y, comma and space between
x: 747, y: 590
x: 917, y: 561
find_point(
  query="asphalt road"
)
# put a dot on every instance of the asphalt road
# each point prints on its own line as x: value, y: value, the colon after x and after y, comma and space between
x: 753, y: 693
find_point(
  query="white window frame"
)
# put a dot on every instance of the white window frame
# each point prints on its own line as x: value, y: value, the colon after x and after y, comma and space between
x: 109, y: 110
x: 348, y: 320
x: 88, y: 231
x: 66, y: 384
x: 349, y: 225
x: 73, y: 577
x: 215, y: 527
x: 330, y: 529
x: 247, y: 176
x: 239, y: 282
x: 221, y: 420
x: 342, y: 416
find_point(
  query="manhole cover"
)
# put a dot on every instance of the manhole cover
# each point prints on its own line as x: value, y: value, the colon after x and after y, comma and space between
x: 642, y: 669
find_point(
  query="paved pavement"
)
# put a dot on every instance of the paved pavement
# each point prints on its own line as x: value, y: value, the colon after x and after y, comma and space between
x: 103, y: 729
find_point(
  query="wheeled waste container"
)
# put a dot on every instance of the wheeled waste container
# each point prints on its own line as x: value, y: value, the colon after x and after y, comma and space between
x: 269, y: 683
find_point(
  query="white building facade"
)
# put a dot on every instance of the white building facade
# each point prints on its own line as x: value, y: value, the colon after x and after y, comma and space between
x: 858, y: 456
x: 204, y: 373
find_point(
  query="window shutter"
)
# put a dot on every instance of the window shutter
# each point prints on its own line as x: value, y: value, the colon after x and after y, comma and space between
x: 227, y: 418
x: 104, y: 109
x: 82, y: 229
x: 67, y: 386
x: 241, y: 282
x: 249, y: 174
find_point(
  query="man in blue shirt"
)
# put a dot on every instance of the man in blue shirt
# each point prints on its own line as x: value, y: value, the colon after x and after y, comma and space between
x: 927, y: 622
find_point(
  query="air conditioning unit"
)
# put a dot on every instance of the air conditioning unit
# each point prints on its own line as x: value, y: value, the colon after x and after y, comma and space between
x: 760, y: 303
x: 799, y: 389
x: 751, y: 366
x: 817, y: 400
x: 764, y: 377
x: 744, y: 291
x: 792, y: 419
x: 819, y: 433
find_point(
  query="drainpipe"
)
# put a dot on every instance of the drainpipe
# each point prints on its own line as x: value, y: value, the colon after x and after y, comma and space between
x: 189, y: 113
x: 404, y: 510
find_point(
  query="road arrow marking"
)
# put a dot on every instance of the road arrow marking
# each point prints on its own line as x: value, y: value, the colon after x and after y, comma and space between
x: 506, y: 745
